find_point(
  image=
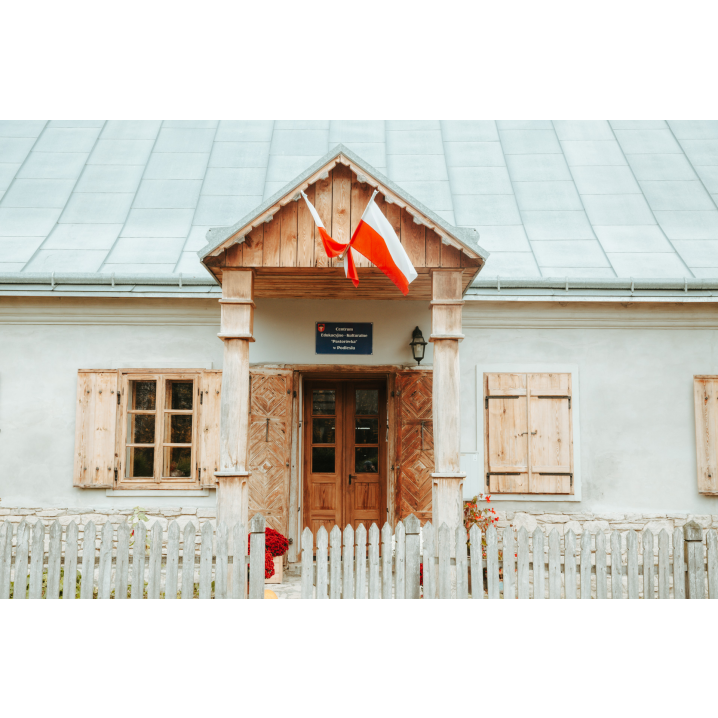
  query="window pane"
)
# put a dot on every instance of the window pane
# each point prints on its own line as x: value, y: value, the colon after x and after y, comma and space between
x: 322, y: 459
x: 180, y: 429
x: 179, y: 394
x: 366, y: 460
x: 323, y: 431
x: 178, y: 462
x: 143, y: 395
x: 142, y: 428
x: 141, y: 462
x: 324, y: 401
x: 366, y: 431
x: 367, y: 401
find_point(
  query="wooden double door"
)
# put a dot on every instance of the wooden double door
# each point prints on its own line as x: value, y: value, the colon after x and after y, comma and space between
x: 345, y: 456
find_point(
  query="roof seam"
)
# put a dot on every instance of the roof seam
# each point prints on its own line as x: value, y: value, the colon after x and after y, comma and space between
x: 134, y: 198
x: 648, y: 204
x: 446, y: 168
x: 269, y: 159
x: 513, y: 193
x: 580, y: 199
x: 64, y: 207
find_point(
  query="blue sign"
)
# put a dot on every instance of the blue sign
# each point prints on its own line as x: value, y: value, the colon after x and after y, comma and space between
x: 344, y: 337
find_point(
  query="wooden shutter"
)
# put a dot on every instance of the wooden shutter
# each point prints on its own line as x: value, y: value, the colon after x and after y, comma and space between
x: 529, y: 437
x: 415, y: 444
x: 210, y: 386
x: 705, y: 392
x: 270, y: 435
x: 96, y: 430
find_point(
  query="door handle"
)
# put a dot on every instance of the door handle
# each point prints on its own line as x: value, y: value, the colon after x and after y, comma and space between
x: 350, y: 478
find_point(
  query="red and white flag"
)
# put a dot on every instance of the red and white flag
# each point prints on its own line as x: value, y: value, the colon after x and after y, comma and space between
x: 332, y: 247
x: 376, y: 239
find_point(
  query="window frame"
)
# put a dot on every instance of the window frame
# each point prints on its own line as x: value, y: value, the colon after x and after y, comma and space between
x: 157, y: 481
x: 473, y: 463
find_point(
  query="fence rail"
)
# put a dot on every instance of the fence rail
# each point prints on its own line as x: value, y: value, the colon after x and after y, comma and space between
x: 410, y: 562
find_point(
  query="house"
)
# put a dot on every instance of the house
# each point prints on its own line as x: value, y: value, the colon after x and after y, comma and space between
x: 174, y: 335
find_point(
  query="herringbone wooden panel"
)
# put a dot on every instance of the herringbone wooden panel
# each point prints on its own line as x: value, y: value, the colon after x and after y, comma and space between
x: 415, y: 444
x: 270, y: 446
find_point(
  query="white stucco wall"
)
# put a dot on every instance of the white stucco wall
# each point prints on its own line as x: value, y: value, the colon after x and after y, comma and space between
x: 635, y: 364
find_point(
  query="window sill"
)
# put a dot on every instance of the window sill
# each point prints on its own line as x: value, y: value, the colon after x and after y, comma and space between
x: 157, y: 492
x: 534, y: 497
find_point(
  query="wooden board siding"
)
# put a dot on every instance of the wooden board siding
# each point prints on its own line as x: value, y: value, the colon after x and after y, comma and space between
x: 305, y: 231
x: 413, y: 239
x: 414, y: 444
x: 288, y: 235
x: 705, y: 394
x: 209, y: 417
x: 341, y: 207
x: 253, y: 248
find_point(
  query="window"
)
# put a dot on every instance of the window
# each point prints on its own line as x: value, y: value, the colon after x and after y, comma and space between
x: 528, y: 433
x: 158, y: 420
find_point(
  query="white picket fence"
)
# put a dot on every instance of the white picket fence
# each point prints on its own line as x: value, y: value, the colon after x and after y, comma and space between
x: 354, y: 564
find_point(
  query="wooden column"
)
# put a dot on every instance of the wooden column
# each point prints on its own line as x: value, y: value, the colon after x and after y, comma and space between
x: 236, y: 331
x: 447, y: 489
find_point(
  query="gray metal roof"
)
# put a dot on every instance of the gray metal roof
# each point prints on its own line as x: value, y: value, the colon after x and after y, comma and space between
x: 575, y: 199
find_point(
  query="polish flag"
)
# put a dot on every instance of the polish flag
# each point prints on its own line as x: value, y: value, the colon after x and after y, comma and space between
x: 376, y: 239
x: 332, y: 247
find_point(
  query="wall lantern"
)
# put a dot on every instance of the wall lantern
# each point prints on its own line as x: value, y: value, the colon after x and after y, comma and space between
x: 417, y: 345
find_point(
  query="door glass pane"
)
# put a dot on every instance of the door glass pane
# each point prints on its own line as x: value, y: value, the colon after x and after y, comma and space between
x: 366, y: 460
x: 179, y: 395
x: 141, y: 462
x: 366, y: 431
x: 322, y: 459
x: 143, y: 395
x: 324, y: 401
x: 367, y: 401
x: 177, y: 462
x: 142, y: 428
x: 180, y: 429
x: 323, y: 431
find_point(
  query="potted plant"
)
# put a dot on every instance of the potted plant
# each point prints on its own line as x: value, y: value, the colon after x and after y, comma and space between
x: 276, y: 546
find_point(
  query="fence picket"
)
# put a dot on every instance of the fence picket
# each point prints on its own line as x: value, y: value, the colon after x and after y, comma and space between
x: 509, y: 563
x: 189, y: 548
x: 679, y: 567
x: 360, y: 562
x: 221, y: 568
x: 664, y: 569
x: 569, y: 565
x: 69, y: 579
x: 138, y: 561
x: 632, y: 564
x: 462, y: 566
x: 601, y: 567
x: 399, y: 561
x: 239, y: 561
x: 89, y: 544
x: 308, y: 563
x: 348, y: 560
x: 693, y: 553
x: 616, y: 566
x: 5, y: 558
x: 122, y: 566
x: 386, y: 575
x: 374, y: 578
x: 554, y: 565
x: 492, y: 562
x: 104, y: 576
x: 155, y: 567
x: 172, y: 570
x: 412, y: 528
x: 22, y: 549
x: 37, y: 559
x: 712, y: 558
x: 444, y: 561
x: 538, y: 562
x: 257, y: 544
x: 335, y: 581
x: 477, y: 566
x: 523, y: 561
x: 322, y: 544
x: 429, y: 561
x: 205, y: 561
x: 586, y: 564
x: 648, y: 566
x: 53, y: 561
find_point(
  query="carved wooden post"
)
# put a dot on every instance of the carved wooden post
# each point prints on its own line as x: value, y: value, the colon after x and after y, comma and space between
x: 447, y: 489
x: 693, y: 555
x: 236, y: 331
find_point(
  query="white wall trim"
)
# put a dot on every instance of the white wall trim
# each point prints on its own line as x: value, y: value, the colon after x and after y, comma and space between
x: 158, y: 493
x: 173, y: 363
x: 474, y: 461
